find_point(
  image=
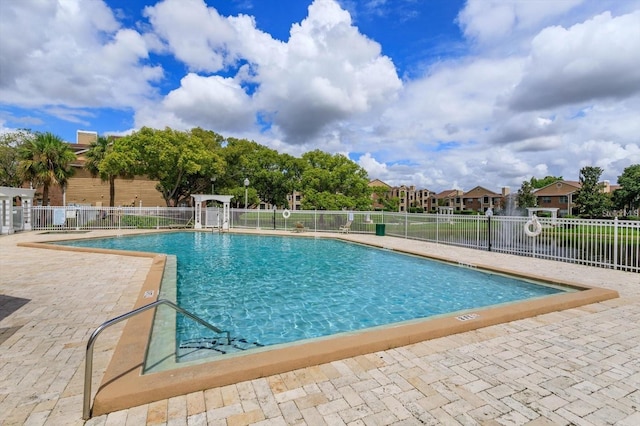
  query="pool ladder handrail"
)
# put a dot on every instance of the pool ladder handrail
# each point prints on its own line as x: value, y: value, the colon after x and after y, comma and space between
x: 88, y: 367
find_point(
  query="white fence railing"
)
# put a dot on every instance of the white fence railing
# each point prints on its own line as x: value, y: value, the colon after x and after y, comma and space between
x: 81, y: 217
x: 603, y: 243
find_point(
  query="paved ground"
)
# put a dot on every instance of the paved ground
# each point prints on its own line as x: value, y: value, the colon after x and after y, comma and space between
x: 580, y: 366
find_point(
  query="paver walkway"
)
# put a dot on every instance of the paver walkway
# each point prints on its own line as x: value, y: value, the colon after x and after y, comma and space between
x: 580, y: 366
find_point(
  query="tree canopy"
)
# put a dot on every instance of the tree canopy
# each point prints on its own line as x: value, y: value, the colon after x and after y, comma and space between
x: 181, y: 162
x: 590, y: 198
x: 262, y: 166
x: 45, y: 160
x: 96, y: 153
x: 525, y: 197
x: 10, y: 144
x: 333, y: 182
x: 541, y: 183
x: 188, y: 162
x: 628, y: 195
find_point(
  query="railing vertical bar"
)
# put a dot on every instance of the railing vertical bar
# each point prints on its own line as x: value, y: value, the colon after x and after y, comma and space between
x: 615, y: 243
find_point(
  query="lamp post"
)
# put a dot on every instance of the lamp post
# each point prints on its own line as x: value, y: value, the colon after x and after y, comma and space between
x: 246, y: 188
x: 489, y: 214
x: 213, y: 180
x: 274, y: 217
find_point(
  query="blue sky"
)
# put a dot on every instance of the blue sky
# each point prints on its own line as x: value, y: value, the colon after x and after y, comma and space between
x: 438, y: 94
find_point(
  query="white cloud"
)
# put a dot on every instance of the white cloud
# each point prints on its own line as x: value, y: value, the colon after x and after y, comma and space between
x: 330, y: 72
x: 196, y: 34
x: 599, y: 58
x: 374, y: 167
x: 326, y: 72
x: 73, y: 54
x: 494, y: 22
x: 211, y: 102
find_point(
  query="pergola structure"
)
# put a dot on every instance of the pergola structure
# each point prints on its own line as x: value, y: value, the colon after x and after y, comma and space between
x: 199, y: 199
x: 552, y: 210
x: 7, y: 195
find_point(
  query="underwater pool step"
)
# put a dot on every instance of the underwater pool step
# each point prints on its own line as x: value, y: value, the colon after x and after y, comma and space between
x: 219, y: 345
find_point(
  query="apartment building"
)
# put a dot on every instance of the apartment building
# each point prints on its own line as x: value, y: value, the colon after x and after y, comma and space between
x: 423, y: 199
x: 405, y: 195
x: 561, y: 195
x: 375, y: 196
x: 558, y: 195
x: 452, y: 199
x: 295, y: 200
x: 481, y: 199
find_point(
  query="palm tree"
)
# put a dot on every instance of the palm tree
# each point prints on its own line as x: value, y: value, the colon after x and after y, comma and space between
x: 46, y: 160
x: 94, y: 156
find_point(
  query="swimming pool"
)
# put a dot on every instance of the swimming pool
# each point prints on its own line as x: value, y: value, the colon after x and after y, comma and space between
x: 272, y: 289
x: 127, y: 383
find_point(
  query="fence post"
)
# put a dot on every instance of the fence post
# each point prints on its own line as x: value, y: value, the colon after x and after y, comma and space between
x: 615, y: 243
x: 406, y: 223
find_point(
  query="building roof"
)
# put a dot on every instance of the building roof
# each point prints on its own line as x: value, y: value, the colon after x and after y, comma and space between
x: 378, y: 182
x: 449, y: 193
x: 559, y: 188
x: 479, y: 191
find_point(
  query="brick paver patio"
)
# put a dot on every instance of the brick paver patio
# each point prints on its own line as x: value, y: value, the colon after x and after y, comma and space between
x: 579, y: 366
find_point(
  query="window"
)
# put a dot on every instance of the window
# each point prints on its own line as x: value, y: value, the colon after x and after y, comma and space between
x: 564, y: 199
x: 546, y: 200
x: 486, y: 200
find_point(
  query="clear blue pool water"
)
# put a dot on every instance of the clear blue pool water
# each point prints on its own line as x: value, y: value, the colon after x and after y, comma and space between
x: 270, y: 289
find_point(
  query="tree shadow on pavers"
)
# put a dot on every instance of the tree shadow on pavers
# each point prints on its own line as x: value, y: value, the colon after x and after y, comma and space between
x: 10, y: 304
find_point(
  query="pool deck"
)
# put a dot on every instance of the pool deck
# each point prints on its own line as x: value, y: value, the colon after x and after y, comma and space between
x: 579, y: 366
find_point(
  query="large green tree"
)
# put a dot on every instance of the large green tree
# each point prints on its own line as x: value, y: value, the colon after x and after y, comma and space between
x: 525, y: 197
x: 10, y: 156
x: 45, y: 161
x: 628, y: 195
x: 95, y: 155
x: 182, y: 162
x: 272, y: 176
x: 333, y: 182
x: 591, y: 199
x: 241, y: 157
x: 276, y: 176
x: 541, y: 183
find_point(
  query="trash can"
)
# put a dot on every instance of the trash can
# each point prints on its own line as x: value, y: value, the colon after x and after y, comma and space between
x: 380, y: 229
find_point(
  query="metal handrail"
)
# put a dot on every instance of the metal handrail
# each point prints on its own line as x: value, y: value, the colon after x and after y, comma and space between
x: 88, y: 368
